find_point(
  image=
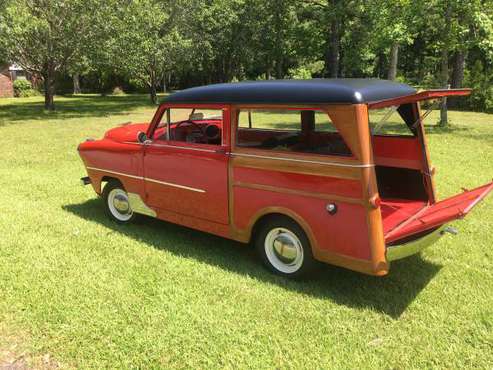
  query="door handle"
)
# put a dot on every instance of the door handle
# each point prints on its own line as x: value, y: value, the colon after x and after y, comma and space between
x: 220, y: 151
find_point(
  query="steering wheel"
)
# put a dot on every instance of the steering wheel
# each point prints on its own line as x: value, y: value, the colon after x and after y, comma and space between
x: 192, y: 123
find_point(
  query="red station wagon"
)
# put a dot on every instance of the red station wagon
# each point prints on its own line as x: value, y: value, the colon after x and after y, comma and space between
x: 297, y: 167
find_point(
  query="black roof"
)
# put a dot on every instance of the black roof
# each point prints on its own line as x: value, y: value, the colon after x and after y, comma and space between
x: 314, y: 91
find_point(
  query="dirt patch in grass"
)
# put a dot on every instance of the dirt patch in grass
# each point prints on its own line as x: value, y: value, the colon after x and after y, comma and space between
x: 15, y: 356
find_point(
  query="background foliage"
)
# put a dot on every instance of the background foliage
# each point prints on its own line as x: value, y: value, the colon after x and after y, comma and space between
x: 154, y: 45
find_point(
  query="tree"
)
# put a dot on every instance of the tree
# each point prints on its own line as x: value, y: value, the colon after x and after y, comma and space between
x: 270, y: 36
x: 80, y: 65
x: 42, y: 36
x: 393, y: 26
x: 331, y: 14
x: 345, y: 41
x: 147, y: 42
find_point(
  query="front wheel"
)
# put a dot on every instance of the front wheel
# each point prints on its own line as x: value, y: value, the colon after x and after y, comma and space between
x: 284, y: 248
x: 116, y: 202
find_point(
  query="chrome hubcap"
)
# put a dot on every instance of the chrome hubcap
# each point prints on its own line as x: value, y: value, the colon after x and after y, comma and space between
x: 284, y: 250
x: 119, y: 205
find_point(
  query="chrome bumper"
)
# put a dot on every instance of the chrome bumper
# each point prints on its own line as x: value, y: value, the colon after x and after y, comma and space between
x: 396, y: 252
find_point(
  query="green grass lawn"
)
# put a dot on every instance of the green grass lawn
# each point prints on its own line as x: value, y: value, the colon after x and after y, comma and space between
x: 90, y: 293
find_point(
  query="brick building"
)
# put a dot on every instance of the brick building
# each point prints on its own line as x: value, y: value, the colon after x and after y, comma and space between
x: 6, y: 83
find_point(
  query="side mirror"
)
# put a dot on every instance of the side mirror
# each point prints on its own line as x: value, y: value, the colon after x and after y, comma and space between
x: 141, y: 137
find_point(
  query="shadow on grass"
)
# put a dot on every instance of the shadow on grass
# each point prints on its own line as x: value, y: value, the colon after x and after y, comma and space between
x: 390, y: 295
x: 77, y: 106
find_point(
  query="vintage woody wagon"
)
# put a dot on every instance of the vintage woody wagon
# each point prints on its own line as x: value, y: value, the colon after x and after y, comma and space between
x: 296, y: 167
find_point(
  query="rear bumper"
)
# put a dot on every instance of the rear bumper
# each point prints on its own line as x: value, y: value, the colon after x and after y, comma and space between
x: 396, y: 252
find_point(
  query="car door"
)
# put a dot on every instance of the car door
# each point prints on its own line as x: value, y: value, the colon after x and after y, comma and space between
x: 188, y: 178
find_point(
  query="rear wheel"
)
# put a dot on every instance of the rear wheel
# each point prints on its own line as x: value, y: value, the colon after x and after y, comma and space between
x: 116, y: 202
x: 284, y: 248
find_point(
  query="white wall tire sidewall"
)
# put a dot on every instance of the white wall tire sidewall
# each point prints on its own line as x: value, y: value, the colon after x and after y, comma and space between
x: 276, y: 263
x: 121, y: 217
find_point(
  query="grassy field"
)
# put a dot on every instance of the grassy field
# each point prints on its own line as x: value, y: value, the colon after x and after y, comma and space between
x: 77, y: 290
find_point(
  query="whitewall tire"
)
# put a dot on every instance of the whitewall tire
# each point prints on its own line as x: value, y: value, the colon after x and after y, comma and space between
x: 116, y: 202
x: 284, y: 247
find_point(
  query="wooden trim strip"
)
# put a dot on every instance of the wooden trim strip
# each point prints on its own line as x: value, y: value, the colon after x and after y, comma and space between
x: 303, y: 160
x: 148, y: 179
x: 298, y: 192
x: 314, y: 169
x: 355, y: 264
x: 398, y: 162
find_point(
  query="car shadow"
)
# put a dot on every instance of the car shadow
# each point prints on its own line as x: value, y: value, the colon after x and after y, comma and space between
x: 390, y: 295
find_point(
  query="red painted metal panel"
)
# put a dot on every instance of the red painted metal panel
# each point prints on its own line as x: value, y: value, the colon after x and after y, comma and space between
x: 114, y: 159
x: 397, y: 151
x: 187, y: 179
x: 126, y: 132
x: 440, y: 213
x: 395, y: 211
x: 345, y: 233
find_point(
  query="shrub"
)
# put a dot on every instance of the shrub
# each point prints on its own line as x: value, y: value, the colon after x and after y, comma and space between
x: 480, y: 79
x: 23, y: 88
x: 306, y: 71
x: 118, y: 91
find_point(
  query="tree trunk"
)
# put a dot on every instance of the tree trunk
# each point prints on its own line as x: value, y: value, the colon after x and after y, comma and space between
x: 457, y: 78
x: 444, y: 72
x: 153, y: 93
x: 332, y: 53
x: 394, y: 58
x: 268, y: 71
x: 458, y: 69
x: 279, y: 73
x: 76, y: 82
x: 445, y: 85
x: 49, y: 87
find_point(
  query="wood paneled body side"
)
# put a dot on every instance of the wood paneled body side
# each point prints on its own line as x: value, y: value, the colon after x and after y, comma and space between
x: 264, y: 182
x: 344, y: 118
x: 258, y: 159
x: 370, y: 191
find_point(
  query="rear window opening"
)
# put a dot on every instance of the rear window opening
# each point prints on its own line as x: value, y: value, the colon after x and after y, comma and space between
x: 399, y: 161
x: 283, y: 130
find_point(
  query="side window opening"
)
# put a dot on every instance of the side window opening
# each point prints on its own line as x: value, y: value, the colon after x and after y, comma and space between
x: 283, y: 130
x: 191, y: 125
x: 393, y: 121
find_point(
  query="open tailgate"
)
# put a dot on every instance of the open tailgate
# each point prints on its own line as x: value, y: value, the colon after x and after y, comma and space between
x: 435, y: 215
x: 420, y: 96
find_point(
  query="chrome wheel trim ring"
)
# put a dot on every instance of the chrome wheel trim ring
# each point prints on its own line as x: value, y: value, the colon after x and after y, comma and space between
x: 284, y: 250
x: 119, y: 205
